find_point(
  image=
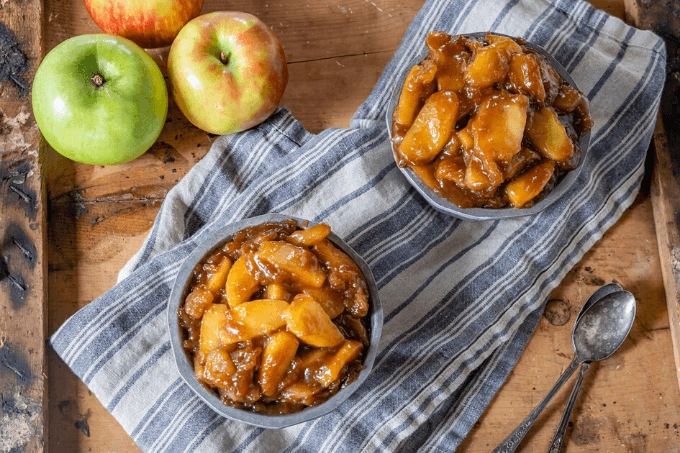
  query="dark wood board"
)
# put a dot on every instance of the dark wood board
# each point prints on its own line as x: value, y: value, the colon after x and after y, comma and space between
x: 663, y: 17
x: 23, y: 422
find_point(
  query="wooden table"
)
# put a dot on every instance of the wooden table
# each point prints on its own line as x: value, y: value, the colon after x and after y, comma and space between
x: 98, y: 217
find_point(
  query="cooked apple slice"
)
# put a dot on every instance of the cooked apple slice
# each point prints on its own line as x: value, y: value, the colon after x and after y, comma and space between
x: 568, y: 99
x: 571, y: 100
x: 218, y: 368
x: 549, y: 136
x: 345, y: 276
x: 482, y: 174
x: 276, y: 359
x: 475, y: 178
x: 357, y: 301
x: 240, y: 283
x: 410, y: 99
x: 431, y: 129
x: 452, y: 169
x: 309, y: 236
x: 242, y: 387
x: 451, y: 56
x: 213, y: 323
x: 334, y: 259
x: 331, y: 300
x: 522, y: 160
x: 276, y: 291
x: 199, y: 366
x: 467, y: 141
x: 308, y: 321
x: 254, y: 319
x: 498, y: 126
x: 330, y: 371
x: 218, y: 280
x: 525, y: 75
x: 313, y: 358
x: 529, y: 184
x: 426, y: 175
x: 419, y: 84
x: 503, y: 42
x: 197, y: 301
x: 299, y: 393
x: 298, y: 263
x: 490, y: 64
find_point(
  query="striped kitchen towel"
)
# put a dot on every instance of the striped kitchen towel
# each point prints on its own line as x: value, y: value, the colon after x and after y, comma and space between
x: 460, y: 298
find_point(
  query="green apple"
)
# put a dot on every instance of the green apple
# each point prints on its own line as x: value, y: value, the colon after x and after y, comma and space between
x: 227, y: 70
x: 99, y: 99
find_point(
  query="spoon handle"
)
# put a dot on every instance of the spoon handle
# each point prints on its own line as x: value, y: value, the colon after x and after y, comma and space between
x: 558, y: 438
x: 512, y: 441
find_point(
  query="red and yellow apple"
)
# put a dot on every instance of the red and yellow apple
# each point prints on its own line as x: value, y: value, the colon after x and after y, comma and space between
x: 149, y: 23
x: 228, y: 71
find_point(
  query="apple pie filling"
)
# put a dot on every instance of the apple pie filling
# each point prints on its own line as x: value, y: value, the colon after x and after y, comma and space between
x: 488, y: 122
x: 274, y: 319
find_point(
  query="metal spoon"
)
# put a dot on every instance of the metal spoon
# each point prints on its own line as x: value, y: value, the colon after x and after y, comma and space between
x: 597, y: 334
x: 558, y: 438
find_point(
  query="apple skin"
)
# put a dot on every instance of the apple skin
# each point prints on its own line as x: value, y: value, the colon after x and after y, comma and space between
x: 149, y: 23
x: 226, y: 98
x: 99, y: 125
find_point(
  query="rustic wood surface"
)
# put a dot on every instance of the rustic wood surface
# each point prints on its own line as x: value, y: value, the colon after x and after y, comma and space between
x: 98, y: 218
x: 23, y: 319
x: 664, y: 18
x: 666, y: 202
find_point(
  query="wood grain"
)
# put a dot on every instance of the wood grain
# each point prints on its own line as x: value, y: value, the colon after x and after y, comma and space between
x: 98, y: 218
x: 23, y: 396
x: 666, y: 202
x: 663, y: 17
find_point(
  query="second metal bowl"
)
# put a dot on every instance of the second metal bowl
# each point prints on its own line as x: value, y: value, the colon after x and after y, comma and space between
x: 447, y: 207
x: 185, y: 366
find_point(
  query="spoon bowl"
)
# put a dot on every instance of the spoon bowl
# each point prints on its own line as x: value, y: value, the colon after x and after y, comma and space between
x: 604, y: 326
x: 597, y: 295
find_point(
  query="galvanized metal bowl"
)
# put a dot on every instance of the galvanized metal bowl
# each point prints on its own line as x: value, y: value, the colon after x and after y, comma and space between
x: 480, y: 214
x: 185, y: 366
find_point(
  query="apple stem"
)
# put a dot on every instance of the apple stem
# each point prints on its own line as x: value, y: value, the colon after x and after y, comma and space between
x: 98, y: 80
x: 224, y: 58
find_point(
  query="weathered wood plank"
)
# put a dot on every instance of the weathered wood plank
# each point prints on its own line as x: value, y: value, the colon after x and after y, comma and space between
x: 666, y: 202
x: 663, y: 17
x: 23, y: 422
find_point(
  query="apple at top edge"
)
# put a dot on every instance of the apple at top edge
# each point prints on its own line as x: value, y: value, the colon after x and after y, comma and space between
x: 228, y: 71
x: 148, y: 23
x: 99, y: 99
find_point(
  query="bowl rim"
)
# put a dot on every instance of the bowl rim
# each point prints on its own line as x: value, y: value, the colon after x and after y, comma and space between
x: 480, y: 214
x: 185, y: 368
